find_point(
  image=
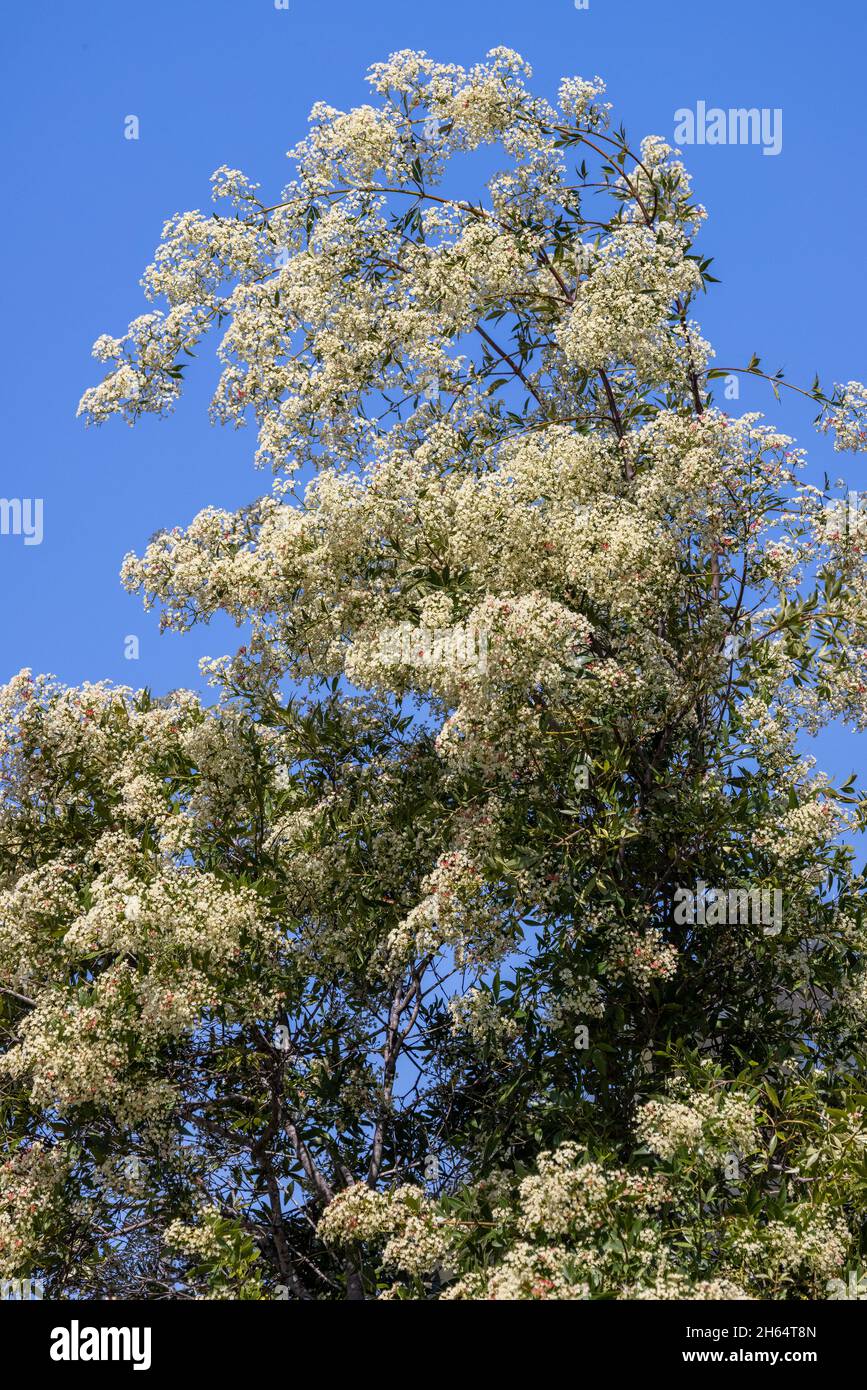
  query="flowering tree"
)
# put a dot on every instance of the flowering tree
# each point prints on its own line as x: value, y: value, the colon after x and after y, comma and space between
x: 489, y: 936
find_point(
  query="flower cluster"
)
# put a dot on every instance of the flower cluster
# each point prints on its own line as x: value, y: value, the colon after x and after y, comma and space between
x: 705, y: 1124
x: 477, y: 1015
x: 31, y: 1203
x: 642, y: 957
x: 458, y: 910
x: 846, y: 417
x: 413, y: 1238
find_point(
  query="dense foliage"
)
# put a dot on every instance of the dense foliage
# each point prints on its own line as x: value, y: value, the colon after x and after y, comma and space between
x: 489, y: 935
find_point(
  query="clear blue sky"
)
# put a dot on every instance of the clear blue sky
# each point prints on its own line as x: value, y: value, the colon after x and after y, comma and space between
x: 232, y: 81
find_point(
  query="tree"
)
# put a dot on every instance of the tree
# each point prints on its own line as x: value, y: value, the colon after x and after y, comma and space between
x: 489, y: 936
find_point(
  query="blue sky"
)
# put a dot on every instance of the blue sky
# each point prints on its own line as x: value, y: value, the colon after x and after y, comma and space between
x: 231, y: 82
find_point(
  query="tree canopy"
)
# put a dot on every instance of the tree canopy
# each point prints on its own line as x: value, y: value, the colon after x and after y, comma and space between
x: 489, y: 933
